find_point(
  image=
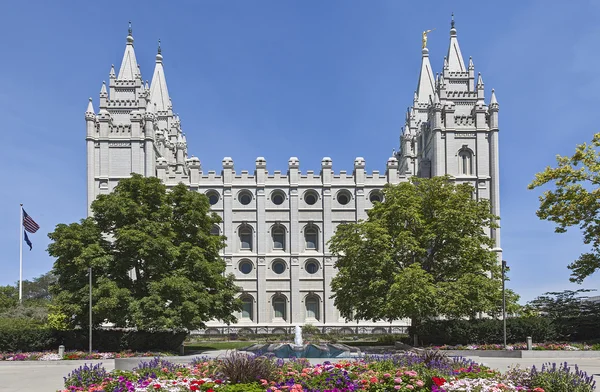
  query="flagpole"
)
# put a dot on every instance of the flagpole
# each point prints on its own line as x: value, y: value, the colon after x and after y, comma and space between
x: 21, y: 256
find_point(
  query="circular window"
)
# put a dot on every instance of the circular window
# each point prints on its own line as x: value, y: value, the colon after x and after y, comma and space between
x: 311, y: 267
x: 279, y: 267
x: 310, y: 197
x: 376, y: 197
x: 277, y: 197
x: 343, y: 197
x: 245, y: 198
x: 213, y: 198
x: 245, y: 267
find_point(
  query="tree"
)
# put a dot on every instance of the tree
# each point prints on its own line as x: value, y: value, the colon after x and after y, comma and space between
x: 575, y: 201
x: 155, y: 264
x: 572, y: 313
x: 422, y: 252
x: 9, y: 298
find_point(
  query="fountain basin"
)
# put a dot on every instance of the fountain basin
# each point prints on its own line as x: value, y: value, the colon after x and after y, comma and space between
x: 289, y: 350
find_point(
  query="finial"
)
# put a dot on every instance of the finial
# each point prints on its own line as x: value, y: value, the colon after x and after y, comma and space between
x: 130, y: 31
x: 452, y: 22
x: 159, y: 46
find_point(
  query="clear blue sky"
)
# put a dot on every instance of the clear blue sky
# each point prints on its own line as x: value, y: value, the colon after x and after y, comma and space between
x: 295, y: 78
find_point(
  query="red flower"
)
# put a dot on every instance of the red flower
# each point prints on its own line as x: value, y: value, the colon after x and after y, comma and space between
x: 438, y: 381
x: 194, y: 388
x: 210, y: 390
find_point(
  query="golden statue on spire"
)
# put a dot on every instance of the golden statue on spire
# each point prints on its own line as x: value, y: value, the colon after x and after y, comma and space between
x: 425, y: 37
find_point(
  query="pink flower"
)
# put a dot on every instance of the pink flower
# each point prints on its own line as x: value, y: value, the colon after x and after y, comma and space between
x: 420, y: 383
x: 410, y: 387
x: 398, y: 380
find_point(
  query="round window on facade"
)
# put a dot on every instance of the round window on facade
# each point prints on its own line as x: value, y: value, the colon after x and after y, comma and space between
x: 213, y: 197
x: 278, y: 197
x: 246, y: 267
x: 312, y: 267
x: 245, y: 198
x: 375, y: 197
x: 279, y: 267
x: 311, y: 197
x: 343, y: 197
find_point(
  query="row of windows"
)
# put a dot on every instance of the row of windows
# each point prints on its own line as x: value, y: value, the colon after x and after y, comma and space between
x: 279, y: 308
x: 278, y: 237
x: 278, y: 197
x: 278, y: 266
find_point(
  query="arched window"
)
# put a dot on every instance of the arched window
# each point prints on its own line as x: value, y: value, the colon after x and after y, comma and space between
x: 279, y: 308
x: 311, y: 197
x: 465, y: 162
x: 312, y: 307
x: 247, y: 308
x: 245, y: 233
x: 215, y: 230
x: 278, y: 235
x: 311, y: 266
x: 213, y: 197
x: 311, y: 237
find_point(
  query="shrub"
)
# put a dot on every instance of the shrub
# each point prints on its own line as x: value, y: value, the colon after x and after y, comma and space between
x: 439, y: 332
x: 561, y: 379
x: 18, y: 334
x: 239, y: 367
x: 86, y: 375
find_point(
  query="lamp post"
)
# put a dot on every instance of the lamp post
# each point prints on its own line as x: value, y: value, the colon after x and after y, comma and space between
x: 90, y: 326
x: 504, y: 301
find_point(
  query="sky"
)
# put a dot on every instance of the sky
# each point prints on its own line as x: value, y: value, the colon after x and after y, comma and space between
x: 303, y: 78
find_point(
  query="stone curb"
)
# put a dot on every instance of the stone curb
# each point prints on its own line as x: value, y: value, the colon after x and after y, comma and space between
x: 522, y: 353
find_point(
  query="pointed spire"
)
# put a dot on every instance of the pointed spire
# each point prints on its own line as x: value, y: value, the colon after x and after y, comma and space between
x: 479, y: 81
x: 129, y: 66
x: 159, y: 93
x: 493, y: 100
x: 425, y: 87
x: 103, y: 88
x: 90, y: 107
x: 471, y: 65
x: 455, y: 59
x: 147, y: 86
x: 112, y: 74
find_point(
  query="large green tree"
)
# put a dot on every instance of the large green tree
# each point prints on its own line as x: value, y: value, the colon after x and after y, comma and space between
x: 155, y: 264
x: 575, y: 201
x: 423, y: 252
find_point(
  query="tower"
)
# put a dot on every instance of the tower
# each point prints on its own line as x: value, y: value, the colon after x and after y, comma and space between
x: 450, y: 130
x: 135, y: 130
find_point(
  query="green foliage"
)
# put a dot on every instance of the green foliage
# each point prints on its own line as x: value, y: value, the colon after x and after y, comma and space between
x: 24, y: 335
x: 155, y: 264
x: 485, y: 331
x: 423, y: 252
x: 9, y: 298
x: 561, y: 379
x: 573, y: 317
x: 248, y: 387
x: 309, y: 329
x: 575, y: 201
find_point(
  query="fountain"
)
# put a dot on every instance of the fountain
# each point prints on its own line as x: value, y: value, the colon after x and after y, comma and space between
x: 300, y: 350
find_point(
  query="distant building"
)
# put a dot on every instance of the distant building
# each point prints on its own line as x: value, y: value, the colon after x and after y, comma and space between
x: 278, y: 223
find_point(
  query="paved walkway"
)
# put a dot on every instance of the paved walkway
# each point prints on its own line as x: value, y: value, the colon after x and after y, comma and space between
x: 48, y: 376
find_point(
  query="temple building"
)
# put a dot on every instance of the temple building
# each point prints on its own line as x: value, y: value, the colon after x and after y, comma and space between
x: 278, y: 223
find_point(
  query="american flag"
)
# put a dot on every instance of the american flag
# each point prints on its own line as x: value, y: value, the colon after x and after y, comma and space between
x: 29, y: 224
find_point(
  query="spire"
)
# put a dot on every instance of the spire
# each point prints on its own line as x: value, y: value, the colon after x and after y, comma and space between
x: 455, y: 59
x: 103, y: 88
x: 493, y: 100
x: 479, y: 81
x: 129, y: 66
x: 425, y: 86
x: 90, y: 107
x: 112, y: 74
x: 159, y: 94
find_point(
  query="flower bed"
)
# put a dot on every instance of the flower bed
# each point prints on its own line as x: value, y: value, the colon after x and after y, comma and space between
x: 523, y: 346
x: 429, y: 371
x: 72, y: 355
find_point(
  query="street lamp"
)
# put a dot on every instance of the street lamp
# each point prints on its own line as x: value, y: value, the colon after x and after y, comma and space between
x: 90, y: 326
x: 504, y: 301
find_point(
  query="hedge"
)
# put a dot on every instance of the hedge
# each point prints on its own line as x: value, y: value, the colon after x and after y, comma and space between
x: 22, y: 335
x: 480, y: 331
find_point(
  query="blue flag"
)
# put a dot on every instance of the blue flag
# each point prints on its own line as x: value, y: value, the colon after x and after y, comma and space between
x: 27, y: 240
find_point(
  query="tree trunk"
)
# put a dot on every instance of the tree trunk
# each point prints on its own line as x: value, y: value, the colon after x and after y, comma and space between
x: 414, y: 323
